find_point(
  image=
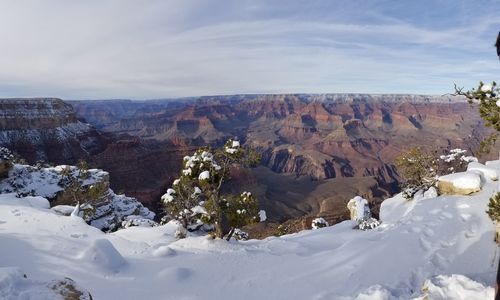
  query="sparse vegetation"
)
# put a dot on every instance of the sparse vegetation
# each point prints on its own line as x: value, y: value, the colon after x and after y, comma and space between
x: 420, y: 168
x: 75, y: 191
x: 282, y: 229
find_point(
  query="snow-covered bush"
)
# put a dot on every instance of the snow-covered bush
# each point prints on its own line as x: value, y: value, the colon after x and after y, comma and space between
x: 5, y: 154
x: 195, y: 198
x: 241, y: 235
x: 456, y: 160
x: 135, y: 220
x: 319, y: 223
x: 419, y: 169
x: 369, y: 223
x: 487, y: 96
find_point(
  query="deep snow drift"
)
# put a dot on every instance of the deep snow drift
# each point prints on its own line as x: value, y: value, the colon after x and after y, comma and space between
x: 417, y: 241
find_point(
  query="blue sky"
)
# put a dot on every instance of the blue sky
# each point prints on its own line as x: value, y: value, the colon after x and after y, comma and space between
x: 97, y: 49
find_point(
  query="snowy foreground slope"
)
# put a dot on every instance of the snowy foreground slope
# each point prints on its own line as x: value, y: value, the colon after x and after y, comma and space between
x: 417, y: 241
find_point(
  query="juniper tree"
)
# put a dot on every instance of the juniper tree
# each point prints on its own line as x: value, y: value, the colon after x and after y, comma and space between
x: 87, y: 196
x: 196, y: 197
x: 487, y: 96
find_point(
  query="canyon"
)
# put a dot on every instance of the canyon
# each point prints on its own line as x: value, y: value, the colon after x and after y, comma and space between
x: 318, y: 150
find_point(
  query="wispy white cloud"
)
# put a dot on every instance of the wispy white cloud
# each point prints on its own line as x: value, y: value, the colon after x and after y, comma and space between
x: 151, y: 49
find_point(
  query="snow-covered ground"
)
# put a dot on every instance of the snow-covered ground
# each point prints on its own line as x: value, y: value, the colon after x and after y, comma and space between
x: 46, y: 182
x: 426, y: 240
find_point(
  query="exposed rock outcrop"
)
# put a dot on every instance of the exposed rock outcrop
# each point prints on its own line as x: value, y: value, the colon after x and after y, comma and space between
x: 46, y: 129
x: 101, y: 207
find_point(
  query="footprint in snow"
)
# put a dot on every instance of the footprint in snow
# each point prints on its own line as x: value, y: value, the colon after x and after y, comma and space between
x: 463, y: 206
x: 439, y: 261
x: 472, y: 232
x: 425, y: 244
x: 78, y: 235
x: 16, y: 212
x: 465, y: 217
x: 176, y: 273
x: 447, y: 244
x: 445, y: 215
x: 428, y: 232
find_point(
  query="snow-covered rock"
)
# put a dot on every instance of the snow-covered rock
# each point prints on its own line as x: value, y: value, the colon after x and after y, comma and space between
x: 63, y: 210
x: 430, y: 193
x: 455, y: 287
x: 375, y: 292
x: 15, y: 285
x: 488, y: 172
x: 495, y: 164
x: 359, y: 208
x: 461, y: 183
x: 319, y: 223
x: 262, y: 215
x: 36, y: 185
x: 425, y: 194
x: 104, y: 255
x: 134, y: 220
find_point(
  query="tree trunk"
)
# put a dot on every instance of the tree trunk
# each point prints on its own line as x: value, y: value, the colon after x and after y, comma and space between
x: 218, y: 229
x: 230, y: 234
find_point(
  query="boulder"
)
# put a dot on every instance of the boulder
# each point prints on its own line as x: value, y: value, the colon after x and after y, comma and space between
x: 487, y: 171
x: 359, y: 208
x: 461, y: 183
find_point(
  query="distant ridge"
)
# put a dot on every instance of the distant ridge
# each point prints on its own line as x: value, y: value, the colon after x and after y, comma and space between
x: 308, y: 97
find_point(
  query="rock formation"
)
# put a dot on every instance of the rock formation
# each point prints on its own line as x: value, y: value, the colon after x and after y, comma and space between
x: 46, y: 129
x: 321, y: 136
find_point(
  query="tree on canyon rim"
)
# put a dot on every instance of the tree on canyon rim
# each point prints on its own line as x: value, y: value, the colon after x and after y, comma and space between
x: 196, y: 198
x: 487, y: 97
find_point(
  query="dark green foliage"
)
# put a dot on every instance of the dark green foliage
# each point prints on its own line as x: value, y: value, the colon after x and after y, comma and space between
x: 487, y: 97
x: 420, y: 168
x: 195, y: 197
x: 241, y: 210
x: 494, y: 207
x: 417, y: 169
x: 282, y: 229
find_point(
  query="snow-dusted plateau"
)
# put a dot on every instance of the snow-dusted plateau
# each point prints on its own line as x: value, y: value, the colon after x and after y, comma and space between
x: 426, y: 248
